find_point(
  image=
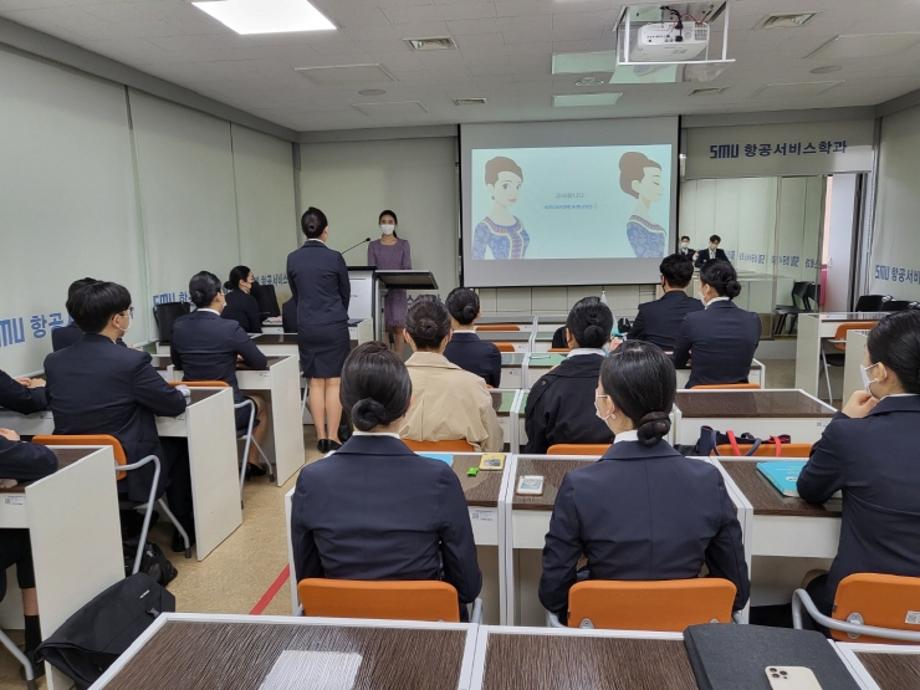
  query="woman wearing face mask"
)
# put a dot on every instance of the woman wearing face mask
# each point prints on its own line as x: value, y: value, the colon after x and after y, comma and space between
x: 391, y: 253
x: 644, y: 511
x: 869, y: 451
x: 241, y: 306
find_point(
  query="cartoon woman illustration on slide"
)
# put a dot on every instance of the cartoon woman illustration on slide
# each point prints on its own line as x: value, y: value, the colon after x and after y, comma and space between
x: 640, y: 177
x: 501, y: 231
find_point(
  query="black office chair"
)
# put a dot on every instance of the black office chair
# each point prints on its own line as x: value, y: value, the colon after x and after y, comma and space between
x: 896, y: 305
x: 165, y: 315
x: 914, y: 305
x: 871, y: 302
x: 267, y: 300
x: 781, y: 311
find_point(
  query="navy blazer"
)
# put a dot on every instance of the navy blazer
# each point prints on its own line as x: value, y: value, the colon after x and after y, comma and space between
x: 289, y: 316
x: 376, y: 511
x: 658, y: 322
x: 874, y: 461
x: 702, y: 256
x: 68, y: 335
x: 244, y: 309
x: 25, y: 462
x: 16, y: 397
x: 97, y: 387
x: 642, y: 513
x: 688, y: 252
x: 721, y: 340
x: 560, y: 407
x: 480, y: 357
x: 205, y: 346
x: 319, y: 283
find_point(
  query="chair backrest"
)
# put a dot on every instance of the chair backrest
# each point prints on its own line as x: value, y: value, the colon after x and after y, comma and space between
x: 200, y: 384
x: 812, y: 296
x: 87, y: 440
x: 884, y: 601
x: 450, y: 446
x: 871, y: 302
x: 498, y: 327
x: 559, y: 349
x: 725, y: 386
x: 842, y: 330
x: 420, y: 600
x: 504, y: 347
x: 667, y: 605
x: 896, y: 305
x: 165, y: 315
x: 799, y: 288
x: 595, y: 450
x: 266, y: 299
x: 767, y: 450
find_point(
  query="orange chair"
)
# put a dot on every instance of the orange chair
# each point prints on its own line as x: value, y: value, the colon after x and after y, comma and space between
x: 726, y: 387
x: 498, y: 327
x: 868, y: 607
x: 664, y: 605
x: 121, y: 469
x: 559, y: 349
x: 839, y: 344
x: 504, y: 346
x: 247, y: 436
x: 766, y: 450
x: 450, y: 446
x: 417, y: 600
x: 595, y: 450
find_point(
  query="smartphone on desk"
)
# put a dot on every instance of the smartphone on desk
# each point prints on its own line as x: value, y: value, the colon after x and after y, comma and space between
x: 530, y: 485
x: 792, y: 678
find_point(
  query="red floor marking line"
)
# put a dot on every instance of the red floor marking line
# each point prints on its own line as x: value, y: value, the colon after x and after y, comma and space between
x: 271, y: 592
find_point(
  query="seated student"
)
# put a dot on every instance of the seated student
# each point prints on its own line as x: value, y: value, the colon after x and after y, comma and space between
x: 289, y: 316
x: 560, y: 341
x: 448, y: 403
x: 374, y: 510
x: 711, y: 253
x: 644, y: 511
x: 720, y: 339
x: 465, y: 349
x: 658, y: 322
x: 22, y: 394
x: 23, y: 462
x: 242, y: 306
x: 71, y: 333
x: 685, y: 249
x: 557, y: 408
x: 869, y: 450
x: 96, y: 387
x: 206, y: 347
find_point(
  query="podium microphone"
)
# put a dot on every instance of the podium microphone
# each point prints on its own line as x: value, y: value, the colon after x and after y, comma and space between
x: 355, y: 246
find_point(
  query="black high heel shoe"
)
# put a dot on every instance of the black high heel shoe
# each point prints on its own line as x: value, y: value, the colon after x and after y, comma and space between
x: 334, y: 445
x: 323, y: 445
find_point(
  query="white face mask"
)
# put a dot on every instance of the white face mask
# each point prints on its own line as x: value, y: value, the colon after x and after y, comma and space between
x: 684, y: 245
x: 713, y: 247
x: 866, y: 381
x: 387, y: 229
x: 597, y: 412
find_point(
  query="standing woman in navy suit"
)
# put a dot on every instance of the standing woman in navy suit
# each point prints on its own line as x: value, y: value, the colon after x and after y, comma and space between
x: 319, y: 284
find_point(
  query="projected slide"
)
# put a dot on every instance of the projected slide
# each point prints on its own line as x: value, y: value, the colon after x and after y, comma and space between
x: 573, y: 202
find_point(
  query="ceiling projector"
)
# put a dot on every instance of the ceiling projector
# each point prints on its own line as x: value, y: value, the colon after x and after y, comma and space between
x: 669, y: 42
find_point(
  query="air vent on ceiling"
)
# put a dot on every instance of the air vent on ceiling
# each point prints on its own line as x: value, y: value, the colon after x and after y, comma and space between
x: 474, y: 100
x: 711, y: 91
x: 346, y: 75
x: 392, y: 108
x: 431, y: 43
x: 786, y: 21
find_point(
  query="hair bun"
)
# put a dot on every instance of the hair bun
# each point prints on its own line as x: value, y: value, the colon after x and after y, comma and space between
x: 367, y: 413
x: 653, y: 427
x: 595, y: 335
x: 732, y: 288
x: 469, y: 312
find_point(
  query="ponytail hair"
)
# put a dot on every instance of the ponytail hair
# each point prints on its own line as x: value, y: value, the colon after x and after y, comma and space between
x: 375, y: 386
x: 313, y: 222
x: 640, y: 380
x: 721, y: 277
x: 237, y: 273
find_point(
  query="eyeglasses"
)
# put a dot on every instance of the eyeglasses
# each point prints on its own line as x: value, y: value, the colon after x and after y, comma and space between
x: 130, y: 311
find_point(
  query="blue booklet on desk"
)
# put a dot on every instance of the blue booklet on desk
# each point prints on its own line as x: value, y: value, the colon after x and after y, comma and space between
x: 782, y: 475
x: 447, y: 458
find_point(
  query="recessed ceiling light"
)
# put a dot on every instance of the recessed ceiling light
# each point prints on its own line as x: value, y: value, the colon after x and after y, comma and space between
x: 346, y: 75
x: 266, y: 16
x: 585, y: 99
x: 432, y: 43
x: 470, y: 100
x: 786, y: 21
x: 827, y: 69
x: 371, y: 92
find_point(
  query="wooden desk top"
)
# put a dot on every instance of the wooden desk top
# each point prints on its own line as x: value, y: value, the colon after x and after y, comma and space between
x: 563, y: 662
x: 552, y: 471
x: 482, y: 490
x: 220, y: 655
x: 505, y: 336
x: 750, y: 403
x: 766, y: 500
x: 65, y: 457
x: 892, y: 671
x: 502, y: 401
x: 276, y: 339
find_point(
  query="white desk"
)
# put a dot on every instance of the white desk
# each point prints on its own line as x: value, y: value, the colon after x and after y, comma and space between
x: 784, y: 537
x: 812, y: 330
x: 521, y: 340
x: 881, y: 666
x: 76, y: 552
x: 506, y: 402
x: 853, y: 359
x: 763, y: 413
x: 512, y: 369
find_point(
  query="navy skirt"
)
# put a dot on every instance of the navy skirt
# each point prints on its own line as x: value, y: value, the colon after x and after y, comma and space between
x: 323, y: 350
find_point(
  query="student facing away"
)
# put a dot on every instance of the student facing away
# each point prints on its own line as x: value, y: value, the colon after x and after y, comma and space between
x: 719, y: 341
x: 869, y: 451
x: 658, y: 322
x: 374, y: 510
x: 465, y: 348
x: 558, y: 407
x: 643, y: 511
